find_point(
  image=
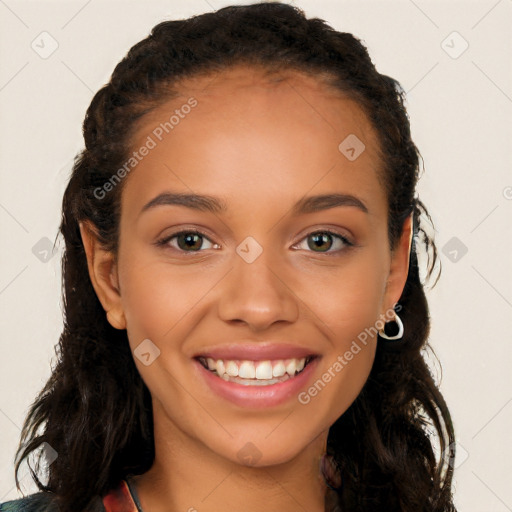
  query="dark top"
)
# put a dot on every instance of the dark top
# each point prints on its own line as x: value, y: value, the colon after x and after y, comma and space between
x: 121, y: 499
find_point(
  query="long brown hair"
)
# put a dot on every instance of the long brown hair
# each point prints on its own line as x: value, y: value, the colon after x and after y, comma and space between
x: 95, y: 410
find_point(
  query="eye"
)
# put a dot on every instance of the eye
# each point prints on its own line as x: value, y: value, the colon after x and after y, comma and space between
x: 187, y: 241
x: 193, y: 241
x: 317, y: 241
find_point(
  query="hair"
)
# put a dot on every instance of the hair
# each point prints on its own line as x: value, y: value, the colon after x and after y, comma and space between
x: 95, y: 411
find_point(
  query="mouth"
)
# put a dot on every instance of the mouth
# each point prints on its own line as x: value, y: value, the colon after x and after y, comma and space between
x: 256, y: 373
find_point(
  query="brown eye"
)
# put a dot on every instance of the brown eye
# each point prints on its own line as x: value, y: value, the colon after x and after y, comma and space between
x: 319, y: 241
x: 324, y: 241
x: 191, y: 241
x: 187, y: 241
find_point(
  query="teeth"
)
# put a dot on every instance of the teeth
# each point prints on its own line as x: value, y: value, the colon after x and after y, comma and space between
x: 255, y: 382
x: 279, y: 369
x: 247, y: 370
x: 264, y: 370
x: 255, y: 370
x: 291, y: 367
x: 232, y: 369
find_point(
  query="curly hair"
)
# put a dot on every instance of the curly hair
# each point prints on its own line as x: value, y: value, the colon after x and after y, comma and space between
x: 95, y: 410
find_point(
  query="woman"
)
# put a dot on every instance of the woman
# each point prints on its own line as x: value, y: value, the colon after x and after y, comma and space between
x: 244, y: 318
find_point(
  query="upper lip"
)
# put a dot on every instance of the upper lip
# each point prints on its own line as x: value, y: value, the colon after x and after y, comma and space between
x: 260, y: 351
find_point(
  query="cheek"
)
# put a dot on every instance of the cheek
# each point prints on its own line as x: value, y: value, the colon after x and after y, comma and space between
x: 349, y: 319
x: 338, y: 383
x: 348, y: 297
x: 348, y: 303
x: 158, y: 297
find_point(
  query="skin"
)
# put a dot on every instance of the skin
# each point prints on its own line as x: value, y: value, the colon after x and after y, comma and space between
x: 260, y: 146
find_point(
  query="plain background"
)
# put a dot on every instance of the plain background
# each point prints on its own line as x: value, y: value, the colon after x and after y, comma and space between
x: 460, y: 105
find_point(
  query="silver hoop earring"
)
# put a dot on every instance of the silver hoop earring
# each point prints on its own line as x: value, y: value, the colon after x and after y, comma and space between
x: 397, y: 336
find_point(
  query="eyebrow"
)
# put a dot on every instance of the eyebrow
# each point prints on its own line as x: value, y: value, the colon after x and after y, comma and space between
x: 215, y: 205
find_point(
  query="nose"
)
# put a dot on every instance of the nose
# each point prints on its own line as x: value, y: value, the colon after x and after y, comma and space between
x: 257, y: 295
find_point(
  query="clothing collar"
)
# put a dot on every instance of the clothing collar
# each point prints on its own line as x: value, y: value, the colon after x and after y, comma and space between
x: 123, y: 498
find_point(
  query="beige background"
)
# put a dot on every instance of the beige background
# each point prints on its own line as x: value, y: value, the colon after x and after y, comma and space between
x: 460, y: 104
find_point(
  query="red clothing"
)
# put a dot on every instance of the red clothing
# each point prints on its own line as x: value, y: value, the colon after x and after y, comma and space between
x: 120, y: 499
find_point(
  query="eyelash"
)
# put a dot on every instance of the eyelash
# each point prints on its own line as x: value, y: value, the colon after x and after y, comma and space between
x: 347, y: 244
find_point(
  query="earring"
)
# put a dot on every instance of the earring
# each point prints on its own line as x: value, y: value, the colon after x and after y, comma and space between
x: 397, y: 336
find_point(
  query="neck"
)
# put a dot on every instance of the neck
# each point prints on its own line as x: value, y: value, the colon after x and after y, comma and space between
x: 187, y: 476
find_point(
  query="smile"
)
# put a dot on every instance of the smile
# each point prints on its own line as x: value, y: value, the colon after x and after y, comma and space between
x: 251, y: 385
x: 256, y: 373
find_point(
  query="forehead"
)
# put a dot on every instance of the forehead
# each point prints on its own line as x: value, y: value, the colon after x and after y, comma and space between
x: 255, y: 84
x: 256, y: 131
x: 244, y: 90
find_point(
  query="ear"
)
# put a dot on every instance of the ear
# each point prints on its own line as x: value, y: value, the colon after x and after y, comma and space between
x: 399, y: 268
x: 103, y: 273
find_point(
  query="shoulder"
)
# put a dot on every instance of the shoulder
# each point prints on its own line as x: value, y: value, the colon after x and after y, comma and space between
x: 122, y: 498
x: 38, y: 502
x: 42, y: 502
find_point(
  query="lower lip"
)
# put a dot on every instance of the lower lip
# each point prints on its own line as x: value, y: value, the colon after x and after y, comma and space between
x: 258, y: 396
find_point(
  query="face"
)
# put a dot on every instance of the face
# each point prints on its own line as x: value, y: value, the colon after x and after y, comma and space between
x: 262, y: 270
